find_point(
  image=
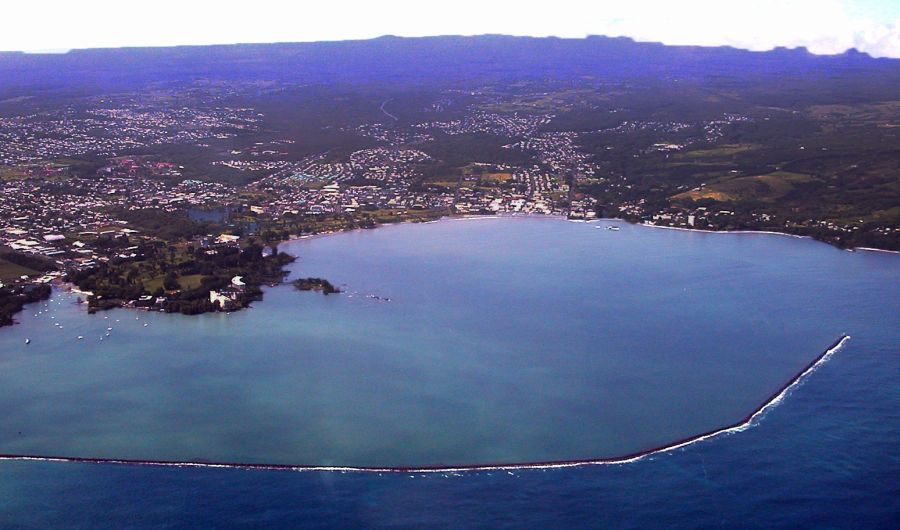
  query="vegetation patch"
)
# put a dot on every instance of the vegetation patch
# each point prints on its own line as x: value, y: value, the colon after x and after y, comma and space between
x: 761, y: 187
x: 720, y: 151
x: 315, y: 284
x: 13, y: 299
x: 12, y: 271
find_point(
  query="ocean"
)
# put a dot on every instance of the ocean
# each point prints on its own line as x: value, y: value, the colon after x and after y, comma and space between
x: 492, y: 341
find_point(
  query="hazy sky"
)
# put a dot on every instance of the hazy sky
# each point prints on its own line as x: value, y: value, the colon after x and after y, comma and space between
x: 824, y: 26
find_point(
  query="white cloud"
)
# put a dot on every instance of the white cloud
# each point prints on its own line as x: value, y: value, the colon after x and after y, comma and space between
x: 879, y: 40
x: 824, y: 26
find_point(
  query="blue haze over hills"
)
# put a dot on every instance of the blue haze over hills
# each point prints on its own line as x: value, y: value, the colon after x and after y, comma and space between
x: 430, y: 60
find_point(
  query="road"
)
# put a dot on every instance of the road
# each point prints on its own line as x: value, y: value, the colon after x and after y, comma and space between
x: 388, y: 114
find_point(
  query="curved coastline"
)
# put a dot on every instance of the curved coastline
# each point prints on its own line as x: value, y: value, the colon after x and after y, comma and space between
x: 506, y: 215
x: 446, y: 218
x: 739, y: 426
x: 870, y: 249
x: 767, y: 232
x: 513, y: 215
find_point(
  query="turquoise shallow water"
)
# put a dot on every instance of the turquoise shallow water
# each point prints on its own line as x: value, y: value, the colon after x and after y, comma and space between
x: 503, y: 340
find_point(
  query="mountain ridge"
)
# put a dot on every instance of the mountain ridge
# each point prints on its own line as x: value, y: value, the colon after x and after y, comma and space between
x: 428, y: 59
x: 852, y: 51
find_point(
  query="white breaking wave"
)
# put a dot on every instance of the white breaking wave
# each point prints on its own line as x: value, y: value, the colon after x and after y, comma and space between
x: 769, y: 232
x: 869, y: 249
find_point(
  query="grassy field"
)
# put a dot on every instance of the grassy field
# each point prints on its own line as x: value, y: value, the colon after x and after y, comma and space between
x: 721, y: 151
x: 191, y: 281
x: 761, y: 187
x: 11, y: 173
x: 11, y: 271
x: 884, y: 112
x: 547, y: 102
x: 444, y: 183
x: 497, y: 177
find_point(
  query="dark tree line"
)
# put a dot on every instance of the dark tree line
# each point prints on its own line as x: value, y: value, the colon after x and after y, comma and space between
x: 28, y: 261
x: 13, y: 299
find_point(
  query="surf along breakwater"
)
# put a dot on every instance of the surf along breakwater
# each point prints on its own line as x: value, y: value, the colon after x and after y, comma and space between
x: 746, y: 422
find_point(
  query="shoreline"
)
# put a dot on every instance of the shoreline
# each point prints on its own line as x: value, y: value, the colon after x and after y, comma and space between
x: 745, y: 232
x: 514, y: 215
x: 870, y: 249
x: 766, y: 232
x: 507, y: 215
x: 445, y: 218
x: 743, y: 424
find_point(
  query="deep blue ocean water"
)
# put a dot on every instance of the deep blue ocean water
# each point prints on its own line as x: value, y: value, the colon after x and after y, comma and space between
x: 824, y: 457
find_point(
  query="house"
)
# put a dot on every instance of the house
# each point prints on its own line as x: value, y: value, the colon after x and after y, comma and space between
x: 227, y: 238
x: 225, y: 301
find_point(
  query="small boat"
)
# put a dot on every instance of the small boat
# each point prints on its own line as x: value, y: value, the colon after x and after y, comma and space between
x: 612, y: 227
x: 27, y: 341
x: 80, y: 337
